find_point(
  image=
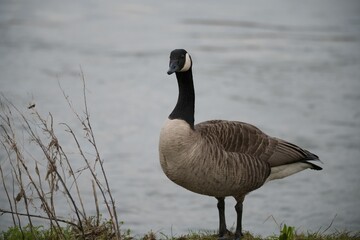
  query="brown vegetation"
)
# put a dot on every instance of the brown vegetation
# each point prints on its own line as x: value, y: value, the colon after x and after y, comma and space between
x: 36, y: 176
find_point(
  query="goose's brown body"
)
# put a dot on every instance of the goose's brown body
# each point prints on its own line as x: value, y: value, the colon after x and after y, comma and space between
x: 225, y: 158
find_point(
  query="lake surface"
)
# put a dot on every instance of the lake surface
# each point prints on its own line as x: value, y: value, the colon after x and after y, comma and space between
x: 292, y: 68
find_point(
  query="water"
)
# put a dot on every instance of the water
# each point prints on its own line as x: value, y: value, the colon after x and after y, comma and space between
x: 291, y: 68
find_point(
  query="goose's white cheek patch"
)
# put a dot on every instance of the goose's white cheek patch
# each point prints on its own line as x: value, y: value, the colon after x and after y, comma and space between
x: 187, y: 64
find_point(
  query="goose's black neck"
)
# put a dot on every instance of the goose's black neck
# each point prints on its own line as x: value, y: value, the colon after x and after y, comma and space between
x: 185, y: 105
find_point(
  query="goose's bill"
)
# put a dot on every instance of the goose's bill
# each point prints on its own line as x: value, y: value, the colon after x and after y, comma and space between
x: 173, y: 67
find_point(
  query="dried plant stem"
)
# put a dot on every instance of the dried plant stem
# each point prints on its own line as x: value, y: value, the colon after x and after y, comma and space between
x: 53, y: 168
x: 59, y: 152
x: 10, y: 136
x: 91, y: 138
x: 96, y: 203
x: 8, y: 197
x: 114, y: 219
x: 18, y: 176
x: 98, y: 183
x: 52, y: 165
x: 39, y: 216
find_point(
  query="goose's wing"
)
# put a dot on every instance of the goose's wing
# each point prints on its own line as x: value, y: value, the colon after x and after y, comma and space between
x: 287, y: 153
x: 247, y: 139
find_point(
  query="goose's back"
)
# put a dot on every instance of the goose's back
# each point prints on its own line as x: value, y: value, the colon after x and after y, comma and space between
x: 237, y: 137
x: 240, y: 137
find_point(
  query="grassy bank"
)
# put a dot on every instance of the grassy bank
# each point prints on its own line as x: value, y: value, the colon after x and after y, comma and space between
x: 103, y: 233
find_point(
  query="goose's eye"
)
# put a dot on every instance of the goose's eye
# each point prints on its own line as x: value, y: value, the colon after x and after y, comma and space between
x: 182, y: 56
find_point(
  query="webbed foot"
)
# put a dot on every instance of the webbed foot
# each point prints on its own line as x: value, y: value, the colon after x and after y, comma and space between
x: 226, y: 235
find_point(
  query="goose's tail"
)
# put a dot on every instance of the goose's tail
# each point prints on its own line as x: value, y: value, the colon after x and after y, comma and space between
x: 286, y: 170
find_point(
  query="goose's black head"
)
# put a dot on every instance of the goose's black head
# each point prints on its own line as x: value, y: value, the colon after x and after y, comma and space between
x: 180, y: 61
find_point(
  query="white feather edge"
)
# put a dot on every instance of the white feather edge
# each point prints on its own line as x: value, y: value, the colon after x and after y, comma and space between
x: 187, y: 64
x: 287, y: 170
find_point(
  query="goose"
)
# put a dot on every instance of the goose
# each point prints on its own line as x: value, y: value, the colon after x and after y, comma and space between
x: 221, y: 158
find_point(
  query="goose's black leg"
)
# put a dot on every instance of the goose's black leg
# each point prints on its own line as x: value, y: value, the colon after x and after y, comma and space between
x: 222, y: 227
x: 239, y: 210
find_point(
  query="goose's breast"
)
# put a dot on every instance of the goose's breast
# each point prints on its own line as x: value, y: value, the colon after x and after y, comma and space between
x: 219, y: 177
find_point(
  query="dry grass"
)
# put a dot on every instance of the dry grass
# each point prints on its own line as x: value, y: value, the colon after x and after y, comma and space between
x: 39, y: 173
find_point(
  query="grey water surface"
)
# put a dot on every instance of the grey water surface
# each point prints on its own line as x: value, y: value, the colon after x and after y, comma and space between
x: 292, y: 68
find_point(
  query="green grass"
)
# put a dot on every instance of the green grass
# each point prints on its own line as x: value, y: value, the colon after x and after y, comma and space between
x: 101, y: 233
x: 286, y: 233
x: 39, y: 232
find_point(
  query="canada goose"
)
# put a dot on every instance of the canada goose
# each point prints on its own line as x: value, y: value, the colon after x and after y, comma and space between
x: 221, y: 158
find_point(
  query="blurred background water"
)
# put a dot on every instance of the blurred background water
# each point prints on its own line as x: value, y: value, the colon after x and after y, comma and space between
x: 290, y: 67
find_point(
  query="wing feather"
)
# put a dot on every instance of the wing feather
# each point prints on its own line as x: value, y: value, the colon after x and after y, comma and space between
x: 244, y: 138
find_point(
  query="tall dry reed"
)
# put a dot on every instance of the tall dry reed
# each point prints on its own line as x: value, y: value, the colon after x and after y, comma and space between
x: 38, y: 172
